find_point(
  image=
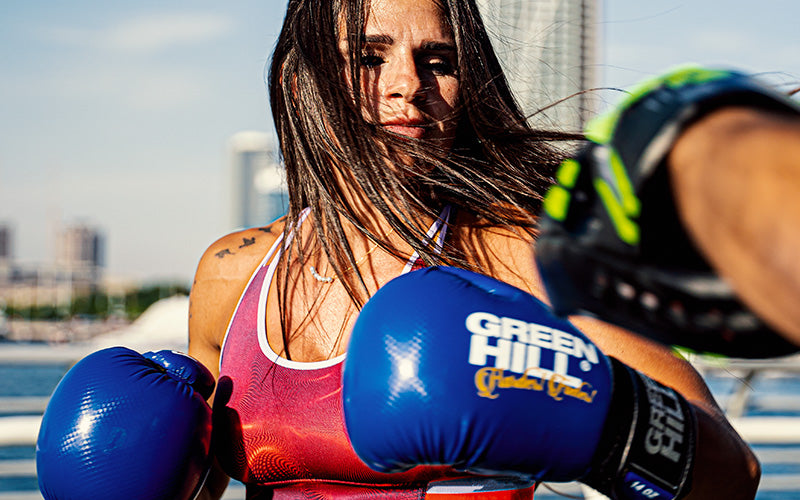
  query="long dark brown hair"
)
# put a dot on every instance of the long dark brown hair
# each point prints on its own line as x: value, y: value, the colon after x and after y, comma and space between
x: 498, y: 169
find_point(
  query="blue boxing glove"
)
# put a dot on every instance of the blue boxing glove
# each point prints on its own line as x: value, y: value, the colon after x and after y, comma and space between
x: 125, y: 425
x: 446, y: 366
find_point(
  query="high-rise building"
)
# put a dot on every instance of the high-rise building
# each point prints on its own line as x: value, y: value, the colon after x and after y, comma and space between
x: 80, y: 257
x: 548, y: 50
x: 258, y: 193
x: 80, y: 246
x: 5, y: 242
x: 5, y: 254
x: 77, y: 269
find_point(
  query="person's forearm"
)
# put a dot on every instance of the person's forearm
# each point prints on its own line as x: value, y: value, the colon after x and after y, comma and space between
x: 736, y: 178
x: 724, y: 466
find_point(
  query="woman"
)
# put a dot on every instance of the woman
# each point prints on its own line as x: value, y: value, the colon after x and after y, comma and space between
x: 403, y: 148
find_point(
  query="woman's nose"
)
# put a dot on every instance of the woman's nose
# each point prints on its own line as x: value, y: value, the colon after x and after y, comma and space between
x: 404, y: 82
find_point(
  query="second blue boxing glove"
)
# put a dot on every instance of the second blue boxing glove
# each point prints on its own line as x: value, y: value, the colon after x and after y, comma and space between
x: 446, y: 366
x: 126, y: 425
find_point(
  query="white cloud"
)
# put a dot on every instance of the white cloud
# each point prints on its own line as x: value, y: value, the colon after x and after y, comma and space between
x: 154, y: 33
x: 141, y: 85
x: 65, y: 35
x: 146, y: 34
x: 158, y: 90
x: 114, y: 64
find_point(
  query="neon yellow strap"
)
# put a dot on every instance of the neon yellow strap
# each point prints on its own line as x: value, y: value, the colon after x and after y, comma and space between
x: 601, y: 128
x: 556, y: 201
x: 630, y: 203
x: 627, y: 230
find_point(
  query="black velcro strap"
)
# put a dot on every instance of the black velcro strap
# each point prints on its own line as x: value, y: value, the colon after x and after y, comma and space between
x: 662, y: 452
x: 648, y: 447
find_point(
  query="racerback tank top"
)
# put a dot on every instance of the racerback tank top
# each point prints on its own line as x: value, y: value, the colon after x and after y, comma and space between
x: 279, y: 426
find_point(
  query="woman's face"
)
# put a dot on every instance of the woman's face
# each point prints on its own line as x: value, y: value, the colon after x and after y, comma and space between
x: 409, y: 70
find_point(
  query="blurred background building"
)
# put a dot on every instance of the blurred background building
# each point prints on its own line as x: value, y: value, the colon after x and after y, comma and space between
x: 77, y: 269
x: 549, y: 51
x: 258, y: 183
x: 5, y: 243
x: 5, y: 253
x: 79, y: 258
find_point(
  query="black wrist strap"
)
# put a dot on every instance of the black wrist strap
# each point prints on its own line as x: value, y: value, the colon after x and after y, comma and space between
x: 648, y: 444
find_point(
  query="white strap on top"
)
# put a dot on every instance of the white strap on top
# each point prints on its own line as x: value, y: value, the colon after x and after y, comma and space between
x: 438, y: 229
x: 439, y: 226
x: 261, y: 319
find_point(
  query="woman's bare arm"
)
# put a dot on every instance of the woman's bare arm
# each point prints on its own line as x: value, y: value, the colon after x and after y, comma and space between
x: 221, y: 276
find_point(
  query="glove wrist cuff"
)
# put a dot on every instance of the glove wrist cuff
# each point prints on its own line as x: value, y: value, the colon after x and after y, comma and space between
x: 648, y: 443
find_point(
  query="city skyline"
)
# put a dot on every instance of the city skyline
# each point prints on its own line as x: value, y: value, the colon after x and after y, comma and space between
x: 119, y: 115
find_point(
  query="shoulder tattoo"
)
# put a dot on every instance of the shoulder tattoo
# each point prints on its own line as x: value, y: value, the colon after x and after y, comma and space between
x: 222, y: 253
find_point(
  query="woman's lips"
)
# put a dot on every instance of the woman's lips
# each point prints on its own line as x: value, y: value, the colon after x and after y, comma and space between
x: 408, y: 130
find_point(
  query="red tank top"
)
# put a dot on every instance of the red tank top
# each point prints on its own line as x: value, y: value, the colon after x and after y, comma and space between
x: 279, y: 426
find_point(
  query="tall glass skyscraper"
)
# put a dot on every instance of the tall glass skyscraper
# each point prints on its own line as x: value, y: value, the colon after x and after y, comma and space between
x: 549, y: 50
x: 258, y: 194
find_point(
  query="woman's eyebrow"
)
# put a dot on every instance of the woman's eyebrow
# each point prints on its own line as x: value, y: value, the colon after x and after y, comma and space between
x: 379, y: 39
x: 439, y: 46
x: 432, y: 45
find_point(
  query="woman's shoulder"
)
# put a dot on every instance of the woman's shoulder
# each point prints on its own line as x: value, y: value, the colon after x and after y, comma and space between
x: 240, y: 251
x: 222, y: 274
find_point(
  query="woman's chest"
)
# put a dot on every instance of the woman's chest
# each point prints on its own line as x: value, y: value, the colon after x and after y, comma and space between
x: 278, y: 422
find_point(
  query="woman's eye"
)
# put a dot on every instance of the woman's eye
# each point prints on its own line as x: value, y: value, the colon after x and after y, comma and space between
x: 371, y: 61
x: 440, y: 67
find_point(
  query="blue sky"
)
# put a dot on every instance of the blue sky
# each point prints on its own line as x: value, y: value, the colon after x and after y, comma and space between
x: 117, y: 114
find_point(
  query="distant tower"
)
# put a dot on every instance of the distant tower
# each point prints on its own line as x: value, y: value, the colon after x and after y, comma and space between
x: 6, y: 254
x: 548, y: 50
x: 5, y: 243
x: 79, y: 255
x: 259, y: 189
